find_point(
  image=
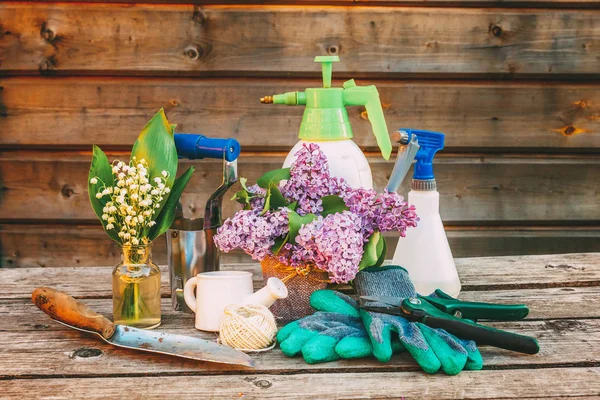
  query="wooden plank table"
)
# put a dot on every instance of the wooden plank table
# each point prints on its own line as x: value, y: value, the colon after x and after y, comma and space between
x: 42, y: 359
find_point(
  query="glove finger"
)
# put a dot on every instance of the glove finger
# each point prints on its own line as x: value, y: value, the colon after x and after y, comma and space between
x: 380, y: 334
x: 284, y: 332
x: 357, y: 345
x: 474, y: 359
x: 332, y: 301
x: 321, y: 347
x: 447, y: 348
x: 292, y: 344
x: 416, y: 344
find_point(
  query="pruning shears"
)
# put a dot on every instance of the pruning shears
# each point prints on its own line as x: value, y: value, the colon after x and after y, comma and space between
x: 458, y: 318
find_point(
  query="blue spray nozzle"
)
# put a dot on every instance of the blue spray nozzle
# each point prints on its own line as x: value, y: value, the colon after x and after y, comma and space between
x: 193, y: 146
x: 430, y: 143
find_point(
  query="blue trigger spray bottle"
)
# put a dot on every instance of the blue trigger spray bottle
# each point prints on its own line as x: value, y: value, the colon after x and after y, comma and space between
x: 425, y: 251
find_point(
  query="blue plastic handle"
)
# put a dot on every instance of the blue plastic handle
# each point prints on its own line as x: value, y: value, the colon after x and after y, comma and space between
x: 193, y: 147
x: 430, y: 143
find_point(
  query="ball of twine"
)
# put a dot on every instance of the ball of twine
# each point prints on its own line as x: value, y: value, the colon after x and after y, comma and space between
x: 248, y: 327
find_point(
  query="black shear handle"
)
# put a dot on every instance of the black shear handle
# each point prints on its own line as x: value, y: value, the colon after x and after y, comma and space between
x: 481, y: 334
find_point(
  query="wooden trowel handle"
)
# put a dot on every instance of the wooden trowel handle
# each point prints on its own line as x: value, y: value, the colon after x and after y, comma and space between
x: 64, y: 308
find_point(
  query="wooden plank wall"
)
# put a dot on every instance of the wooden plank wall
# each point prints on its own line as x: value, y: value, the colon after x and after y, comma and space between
x: 514, y: 85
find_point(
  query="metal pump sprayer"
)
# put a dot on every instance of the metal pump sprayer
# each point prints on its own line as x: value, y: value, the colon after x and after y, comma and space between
x: 425, y: 251
x: 326, y: 123
x: 190, y: 245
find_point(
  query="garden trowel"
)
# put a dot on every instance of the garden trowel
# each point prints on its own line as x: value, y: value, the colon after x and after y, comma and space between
x: 65, y: 309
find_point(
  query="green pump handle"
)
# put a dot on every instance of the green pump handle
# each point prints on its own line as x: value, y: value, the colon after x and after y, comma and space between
x: 368, y: 96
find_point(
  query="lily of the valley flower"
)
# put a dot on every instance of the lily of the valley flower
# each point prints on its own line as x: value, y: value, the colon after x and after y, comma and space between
x: 133, y: 198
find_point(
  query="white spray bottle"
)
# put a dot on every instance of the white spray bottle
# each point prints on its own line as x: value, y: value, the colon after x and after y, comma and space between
x: 424, y: 252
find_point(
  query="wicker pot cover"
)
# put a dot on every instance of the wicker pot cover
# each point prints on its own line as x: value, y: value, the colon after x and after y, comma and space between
x: 300, y: 287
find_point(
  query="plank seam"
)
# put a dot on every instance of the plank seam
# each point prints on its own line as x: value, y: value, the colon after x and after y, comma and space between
x: 329, y: 371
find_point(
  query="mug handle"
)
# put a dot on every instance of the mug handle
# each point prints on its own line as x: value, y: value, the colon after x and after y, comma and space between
x: 188, y: 293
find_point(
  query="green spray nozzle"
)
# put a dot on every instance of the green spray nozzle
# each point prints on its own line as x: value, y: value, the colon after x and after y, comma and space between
x: 327, y: 68
x: 325, y: 117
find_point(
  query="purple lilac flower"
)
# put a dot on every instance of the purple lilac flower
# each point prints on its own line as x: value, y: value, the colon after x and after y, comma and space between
x: 334, y: 244
x: 363, y: 202
x: 383, y: 212
x: 258, y: 197
x: 394, y: 214
x: 255, y: 234
x: 310, y: 180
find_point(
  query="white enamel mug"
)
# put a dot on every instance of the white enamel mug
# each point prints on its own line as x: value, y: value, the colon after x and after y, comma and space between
x: 214, y: 291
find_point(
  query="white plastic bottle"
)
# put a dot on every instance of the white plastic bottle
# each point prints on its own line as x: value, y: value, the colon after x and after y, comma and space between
x: 425, y: 252
x: 325, y: 122
x: 346, y: 160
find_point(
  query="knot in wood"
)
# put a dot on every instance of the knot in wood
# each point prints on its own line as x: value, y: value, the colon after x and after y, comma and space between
x: 569, y: 130
x: 333, y: 50
x: 86, y: 352
x: 192, y: 52
x: 47, y: 34
x: 263, y: 384
x: 496, y: 30
x: 67, y: 191
x: 45, y: 65
x: 199, y: 16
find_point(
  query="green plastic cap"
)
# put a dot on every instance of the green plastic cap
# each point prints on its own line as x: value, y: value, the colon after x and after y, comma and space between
x: 327, y: 68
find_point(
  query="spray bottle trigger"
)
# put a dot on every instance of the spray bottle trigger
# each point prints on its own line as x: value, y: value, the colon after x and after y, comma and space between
x: 407, y: 151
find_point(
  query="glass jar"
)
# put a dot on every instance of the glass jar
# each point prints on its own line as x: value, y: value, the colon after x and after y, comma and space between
x: 136, y: 288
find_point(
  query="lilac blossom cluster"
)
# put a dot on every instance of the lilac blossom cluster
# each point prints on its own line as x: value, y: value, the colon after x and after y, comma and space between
x: 333, y: 243
x: 383, y: 212
x: 253, y: 233
x: 310, y: 180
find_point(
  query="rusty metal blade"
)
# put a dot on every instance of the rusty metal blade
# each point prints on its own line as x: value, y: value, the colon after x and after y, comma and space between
x: 177, y: 345
x: 172, y: 344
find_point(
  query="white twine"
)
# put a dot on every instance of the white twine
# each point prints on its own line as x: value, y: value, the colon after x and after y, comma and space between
x: 248, y: 327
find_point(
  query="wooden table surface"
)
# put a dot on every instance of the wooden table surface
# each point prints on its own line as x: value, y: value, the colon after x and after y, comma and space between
x: 41, y: 359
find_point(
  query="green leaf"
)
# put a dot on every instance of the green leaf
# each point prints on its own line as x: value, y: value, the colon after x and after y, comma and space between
x: 276, y: 198
x: 293, y: 206
x: 156, y: 144
x: 333, y: 204
x: 243, y: 183
x: 279, y: 243
x: 101, y: 169
x: 273, y: 199
x: 370, y: 254
x: 382, y: 250
x: 274, y: 176
x: 241, y: 196
x: 167, y: 214
x: 296, y: 221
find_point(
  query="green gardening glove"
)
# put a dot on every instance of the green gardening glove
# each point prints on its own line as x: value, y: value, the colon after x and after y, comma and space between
x: 431, y: 348
x: 335, y: 331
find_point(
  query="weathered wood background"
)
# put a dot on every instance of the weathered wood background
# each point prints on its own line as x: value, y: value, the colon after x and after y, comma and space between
x: 514, y: 85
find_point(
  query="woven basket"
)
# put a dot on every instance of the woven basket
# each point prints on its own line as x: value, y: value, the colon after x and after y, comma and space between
x: 300, y: 287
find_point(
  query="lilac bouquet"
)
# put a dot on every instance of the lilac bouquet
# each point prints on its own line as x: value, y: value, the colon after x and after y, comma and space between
x: 304, y: 217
